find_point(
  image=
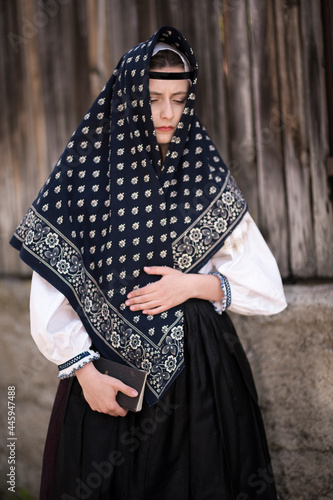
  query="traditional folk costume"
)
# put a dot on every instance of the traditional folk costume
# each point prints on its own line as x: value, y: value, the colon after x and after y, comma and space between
x: 108, y: 209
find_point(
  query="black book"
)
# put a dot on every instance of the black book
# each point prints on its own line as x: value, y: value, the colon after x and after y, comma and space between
x: 130, y: 376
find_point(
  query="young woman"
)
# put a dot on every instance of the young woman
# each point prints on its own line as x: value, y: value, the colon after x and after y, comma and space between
x: 139, y: 241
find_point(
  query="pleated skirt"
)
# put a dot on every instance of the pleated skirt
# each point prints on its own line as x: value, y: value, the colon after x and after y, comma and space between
x: 204, y: 440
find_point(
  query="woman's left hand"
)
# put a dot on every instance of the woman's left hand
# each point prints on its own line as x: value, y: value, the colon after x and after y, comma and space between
x: 172, y: 289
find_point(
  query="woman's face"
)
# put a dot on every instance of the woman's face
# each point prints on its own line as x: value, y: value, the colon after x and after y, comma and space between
x: 168, y: 99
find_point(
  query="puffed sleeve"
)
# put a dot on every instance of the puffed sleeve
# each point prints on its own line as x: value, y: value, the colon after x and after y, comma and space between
x: 251, y: 272
x: 57, y: 329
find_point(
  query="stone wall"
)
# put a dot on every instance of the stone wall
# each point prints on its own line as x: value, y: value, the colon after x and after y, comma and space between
x: 35, y: 380
x: 292, y: 359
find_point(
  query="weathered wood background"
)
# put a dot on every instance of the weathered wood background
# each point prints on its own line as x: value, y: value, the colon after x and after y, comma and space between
x: 262, y: 97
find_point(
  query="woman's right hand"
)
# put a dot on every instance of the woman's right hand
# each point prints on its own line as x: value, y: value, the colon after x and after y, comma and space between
x: 100, y: 390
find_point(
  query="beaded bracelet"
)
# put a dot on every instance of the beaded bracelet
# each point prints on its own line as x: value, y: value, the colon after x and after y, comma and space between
x: 68, y: 368
x: 225, y: 287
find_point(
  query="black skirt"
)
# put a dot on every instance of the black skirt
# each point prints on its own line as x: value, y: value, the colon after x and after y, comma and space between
x: 204, y: 440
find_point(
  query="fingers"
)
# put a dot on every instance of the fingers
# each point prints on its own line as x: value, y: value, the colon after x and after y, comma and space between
x: 162, y: 270
x: 145, y: 290
x: 150, y: 304
x: 101, y: 396
x: 152, y: 287
x: 156, y: 300
x: 156, y: 297
x: 113, y: 408
x: 110, y: 407
x: 116, y: 411
x: 106, y: 405
x: 156, y: 310
x: 148, y: 288
x: 125, y: 389
x: 143, y: 297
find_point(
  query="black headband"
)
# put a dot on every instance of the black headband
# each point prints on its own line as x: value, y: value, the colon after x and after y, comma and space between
x: 161, y: 75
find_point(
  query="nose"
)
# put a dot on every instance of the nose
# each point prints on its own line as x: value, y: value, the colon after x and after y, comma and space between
x: 167, y: 109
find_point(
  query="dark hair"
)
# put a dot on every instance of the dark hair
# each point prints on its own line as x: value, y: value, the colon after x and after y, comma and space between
x: 165, y: 58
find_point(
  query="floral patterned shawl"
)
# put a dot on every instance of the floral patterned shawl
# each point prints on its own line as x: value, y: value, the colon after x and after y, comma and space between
x: 105, y: 213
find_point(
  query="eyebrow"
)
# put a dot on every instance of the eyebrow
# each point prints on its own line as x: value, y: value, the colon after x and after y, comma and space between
x: 183, y: 92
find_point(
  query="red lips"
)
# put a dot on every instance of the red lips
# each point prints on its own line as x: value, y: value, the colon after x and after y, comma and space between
x: 164, y: 129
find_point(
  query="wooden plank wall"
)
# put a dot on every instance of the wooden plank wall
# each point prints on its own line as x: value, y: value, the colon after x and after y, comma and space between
x: 261, y: 96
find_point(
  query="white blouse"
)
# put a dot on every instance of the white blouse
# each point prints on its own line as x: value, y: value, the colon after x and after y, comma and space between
x: 245, y: 260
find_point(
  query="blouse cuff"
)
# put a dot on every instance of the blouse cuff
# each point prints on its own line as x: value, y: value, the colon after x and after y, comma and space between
x: 225, y: 287
x: 68, y: 369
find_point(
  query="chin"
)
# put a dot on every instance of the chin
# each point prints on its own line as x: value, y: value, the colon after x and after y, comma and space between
x: 163, y: 140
